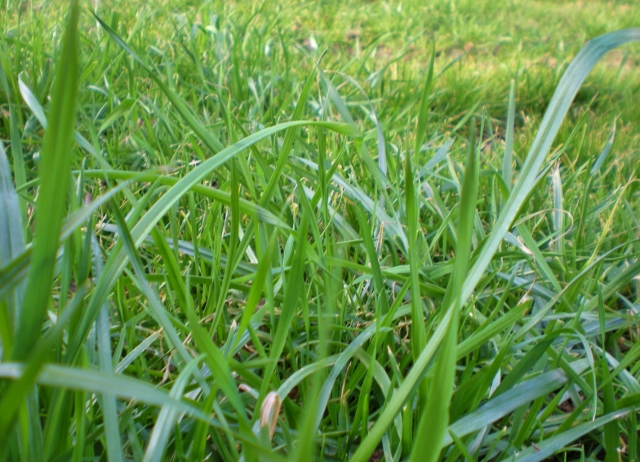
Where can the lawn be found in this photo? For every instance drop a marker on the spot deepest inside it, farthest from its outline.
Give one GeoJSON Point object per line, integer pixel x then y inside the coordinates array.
{"type": "Point", "coordinates": [319, 230]}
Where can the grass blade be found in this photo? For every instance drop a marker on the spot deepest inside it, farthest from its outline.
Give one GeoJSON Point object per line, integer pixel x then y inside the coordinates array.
{"type": "Point", "coordinates": [566, 91]}
{"type": "Point", "coordinates": [11, 239]}
{"type": "Point", "coordinates": [50, 207]}
{"type": "Point", "coordinates": [110, 412]}
{"type": "Point", "coordinates": [418, 330]}
{"type": "Point", "coordinates": [435, 416]}
{"type": "Point", "coordinates": [507, 161]}
{"type": "Point", "coordinates": [160, 434]}
{"type": "Point", "coordinates": [548, 447]}
{"type": "Point", "coordinates": [423, 117]}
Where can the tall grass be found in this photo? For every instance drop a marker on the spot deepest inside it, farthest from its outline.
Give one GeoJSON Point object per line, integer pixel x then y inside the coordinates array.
{"type": "Point", "coordinates": [197, 264]}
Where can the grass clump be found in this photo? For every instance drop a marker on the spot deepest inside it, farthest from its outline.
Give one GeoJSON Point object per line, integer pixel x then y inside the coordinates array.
{"type": "Point", "coordinates": [221, 241]}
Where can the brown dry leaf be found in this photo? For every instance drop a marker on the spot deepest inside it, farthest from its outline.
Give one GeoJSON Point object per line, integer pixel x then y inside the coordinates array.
{"type": "Point", "coordinates": [269, 412]}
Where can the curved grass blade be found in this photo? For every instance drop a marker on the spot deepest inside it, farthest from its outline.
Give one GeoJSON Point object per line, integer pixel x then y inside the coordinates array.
{"type": "Point", "coordinates": [160, 434]}
{"type": "Point", "coordinates": [223, 197]}
{"type": "Point", "coordinates": [511, 400]}
{"type": "Point", "coordinates": [547, 448]}
{"type": "Point", "coordinates": [124, 387]}
{"type": "Point", "coordinates": [118, 258]}
{"type": "Point", "coordinates": [566, 91]}
{"type": "Point", "coordinates": [119, 111]}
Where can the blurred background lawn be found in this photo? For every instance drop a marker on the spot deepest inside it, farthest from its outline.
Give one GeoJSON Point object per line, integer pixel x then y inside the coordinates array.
{"type": "Point", "coordinates": [383, 45]}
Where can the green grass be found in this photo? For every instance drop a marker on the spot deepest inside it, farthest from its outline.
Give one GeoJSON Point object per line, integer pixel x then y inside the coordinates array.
{"type": "Point", "coordinates": [319, 231]}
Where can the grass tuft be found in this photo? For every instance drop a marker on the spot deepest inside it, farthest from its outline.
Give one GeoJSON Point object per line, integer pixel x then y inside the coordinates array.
{"type": "Point", "coordinates": [262, 232]}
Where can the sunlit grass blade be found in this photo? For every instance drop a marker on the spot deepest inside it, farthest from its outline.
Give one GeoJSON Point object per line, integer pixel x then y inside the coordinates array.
{"type": "Point", "coordinates": [507, 160]}
{"type": "Point", "coordinates": [554, 115]}
{"type": "Point", "coordinates": [423, 117]}
{"type": "Point", "coordinates": [558, 209]}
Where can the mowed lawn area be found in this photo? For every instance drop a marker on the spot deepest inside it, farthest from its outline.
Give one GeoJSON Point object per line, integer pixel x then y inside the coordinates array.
{"type": "Point", "coordinates": [355, 230]}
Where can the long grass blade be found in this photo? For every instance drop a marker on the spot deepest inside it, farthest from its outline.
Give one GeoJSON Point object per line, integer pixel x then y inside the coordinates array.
{"type": "Point", "coordinates": [50, 207]}
{"type": "Point", "coordinates": [11, 238]}
{"type": "Point", "coordinates": [566, 91]}
{"type": "Point", "coordinates": [435, 416]}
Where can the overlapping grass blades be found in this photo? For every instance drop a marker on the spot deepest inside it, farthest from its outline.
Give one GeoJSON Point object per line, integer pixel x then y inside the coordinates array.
{"type": "Point", "coordinates": [306, 274]}
{"type": "Point", "coordinates": [558, 107]}
{"type": "Point", "coordinates": [50, 207]}
{"type": "Point", "coordinates": [566, 91]}
{"type": "Point", "coordinates": [26, 344]}
{"type": "Point", "coordinates": [435, 416]}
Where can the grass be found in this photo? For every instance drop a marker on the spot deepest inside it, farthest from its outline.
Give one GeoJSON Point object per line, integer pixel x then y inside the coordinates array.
{"type": "Point", "coordinates": [319, 231]}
